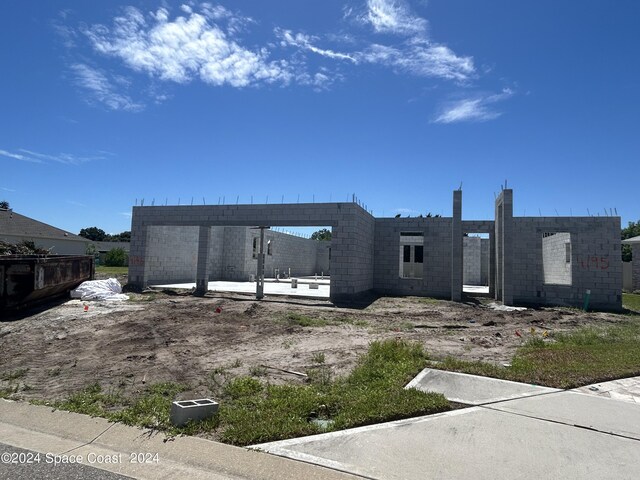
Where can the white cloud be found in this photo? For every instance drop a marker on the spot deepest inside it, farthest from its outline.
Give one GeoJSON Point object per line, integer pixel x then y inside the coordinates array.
{"type": "Point", "coordinates": [187, 47]}
{"type": "Point", "coordinates": [288, 38]}
{"type": "Point", "coordinates": [476, 109]}
{"type": "Point", "coordinates": [18, 156]}
{"type": "Point", "coordinates": [101, 89]}
{"type": "Point", "coordinates": [393, 16]}
{"type": "Point", "coordinates": [421, 58]}
{"type": "Point", "coordinates": [64, 158]}
{"type": "Point", "coordinates": [7, 189]}
{"type": "Point", "coordinates": [126, 214]}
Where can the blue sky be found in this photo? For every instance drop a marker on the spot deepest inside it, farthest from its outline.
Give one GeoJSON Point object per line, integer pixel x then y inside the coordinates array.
{"type": "Point", "coordinates": [398, 102]}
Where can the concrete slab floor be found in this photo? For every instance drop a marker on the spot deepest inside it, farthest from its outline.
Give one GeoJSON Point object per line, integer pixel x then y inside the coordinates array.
{"type": "Point", "coordinates": [472, 389]}
{"type": "Point", "coordinates": [625, 389]}
{"type": "Point", "coordinates": [477, 442]}
{"type": "Point", "coordinates": [270, 288]}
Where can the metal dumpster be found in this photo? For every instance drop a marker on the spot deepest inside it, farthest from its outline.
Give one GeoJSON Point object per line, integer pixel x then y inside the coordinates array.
{"type": "Point", "coordinates": [26, 280]}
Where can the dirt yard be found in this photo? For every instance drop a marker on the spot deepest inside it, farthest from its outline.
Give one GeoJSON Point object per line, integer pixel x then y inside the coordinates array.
{"type": "Point", "coordinates": [159, 337]}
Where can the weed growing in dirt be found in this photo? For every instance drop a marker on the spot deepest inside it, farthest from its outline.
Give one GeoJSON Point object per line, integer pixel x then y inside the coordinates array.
{"type": "Point", "coordinates": [14, 374]}
{"type": "Point", "coordinates": [427, 300]}
{"type": "Point", "coordinates": [304, 320]}
{"type": "Point", "coordinates": [257, 371]}
{"type": "Point", "coordinates": [586, 356]}
{"type": "Point", "coordinates": [7, 392]}
{"type": "Point", "coordinates": [318, 357]}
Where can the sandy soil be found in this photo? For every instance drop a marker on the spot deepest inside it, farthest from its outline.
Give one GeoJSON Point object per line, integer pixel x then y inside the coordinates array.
{"type": "Point", "coordinates": [160, 337]}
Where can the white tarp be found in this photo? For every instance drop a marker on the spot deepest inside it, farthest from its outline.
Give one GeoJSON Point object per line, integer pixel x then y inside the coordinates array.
{"type": "Point", "coordinates": [109, 289]}
{"type": "Point", "coordinates": [505, 308]}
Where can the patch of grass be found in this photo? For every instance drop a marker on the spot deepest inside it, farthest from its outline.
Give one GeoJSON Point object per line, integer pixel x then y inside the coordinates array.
{"type": "Point", "coordinates": [372, 393]}
{"type": "Point", "coordinates": [318, 357]}
{"type": "Point", "coordinates": [304, 320]}
{"type": "Point", "coordinates": [143, 297]}
{"type": "Point", "coordinates": [631, 301]}
{"type": "Point", "coordinates": [7, 392]}
{"type": "Point", "coordinates": [257, 371]}
{"type": "Point", "coordinates": [428, 300]}
{"type": "Point", "coordinates": [14, 374]}
{"type": "Point", "coordinates": [112, 270]}
{"type": "Point", "coordinates": [149, 409]}
{"type": "Point", "coordinates": [586, 356]}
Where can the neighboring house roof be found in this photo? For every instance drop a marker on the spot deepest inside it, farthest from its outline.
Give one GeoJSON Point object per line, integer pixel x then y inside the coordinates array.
{"type": "Point", "coordinates": [14, 224]}
{"type": "Point", "coordinates": [632, 240]}
{"type": "Point", "coordinates": [106, 246]}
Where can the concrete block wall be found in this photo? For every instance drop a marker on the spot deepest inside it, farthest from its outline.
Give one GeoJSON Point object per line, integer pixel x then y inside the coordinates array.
{"type": "Point", "coordinates": [235, 251]}
{"type": "Point", "coordinates": [436, 278]}
{"type": "Point", "coordinates": [323, 257]}
{"type": "Point", "coordinates": [596, 263]}
{"type": "Point", "coordinates": [352, 254]}
{"type": "Point", "coordinates": [484, 261]}
{"type": "Point", "coordinates": [472, 262]}
{"type": "Point", "coordinates": [288, 252]}
{"type": "Point", "coordinates": [555, 268]}
{"type": "Point", "coordinates": [487, 249]}
{"type": "Point", "coordinates": [216, 252]}
{"type": "Point", "coordinates": [351, 246]}
{"type": "Point", "coordinates": [171, 255]}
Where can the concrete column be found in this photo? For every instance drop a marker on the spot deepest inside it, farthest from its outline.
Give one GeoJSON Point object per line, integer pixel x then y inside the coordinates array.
{"type": "Point", "coordinates": [635, 268]}
{"type": "Point", "coordinates": [456, 248]}
{"type": "Point", "coordinates": [137, 254]}
{"type": "Point", "coordinates": [202, 269]}
{"type": "Point", "coordinates": [492, 265]}
{"type": "Point", "coordinates": [260, 273]}
{"type": "Point", "coordinates": [507, 246]}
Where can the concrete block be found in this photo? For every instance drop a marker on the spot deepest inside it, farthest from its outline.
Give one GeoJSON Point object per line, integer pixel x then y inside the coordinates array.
{"type": "Point", "coordinates": [192, 410]}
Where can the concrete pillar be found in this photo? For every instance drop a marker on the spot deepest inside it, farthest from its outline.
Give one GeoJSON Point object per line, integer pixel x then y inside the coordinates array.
{"type": "Point", "coordinates": [635, 268]}
{"type": "Point", "coordinates": [137, 254]}
{"type": "Point", "coordinates": [492, 264]}
{"type": "Point", "coordinates": [456, 248]}
{"type": "Point", "coordinates": [507, 246]}
{"type": "Point", "coordinates": [260, 272]}
{"type": "Point", "coordinates": [202, 268]}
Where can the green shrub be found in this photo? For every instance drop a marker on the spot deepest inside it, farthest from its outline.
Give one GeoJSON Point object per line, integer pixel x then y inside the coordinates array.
{"type": "Point", "coordinates": [116, 257]}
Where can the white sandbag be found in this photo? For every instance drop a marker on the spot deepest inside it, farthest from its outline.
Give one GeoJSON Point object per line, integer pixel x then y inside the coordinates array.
{"type": "Point", "coordinates": [109, 289]}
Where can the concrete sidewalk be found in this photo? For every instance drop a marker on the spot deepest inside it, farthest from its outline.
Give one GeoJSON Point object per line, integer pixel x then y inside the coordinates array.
{"type": "Point", "coordinates": [532, 433]}
{"type": "Point", "coordinates": [39, 429]}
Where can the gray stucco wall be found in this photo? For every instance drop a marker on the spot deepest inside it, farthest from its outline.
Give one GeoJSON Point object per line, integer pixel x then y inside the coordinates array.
{"type": "Point", "coordinates": [556, 270]}
{"type": "Point", "coordinates": [436, 278]}
{"type": "Point", "coordinates": [596, 263]}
